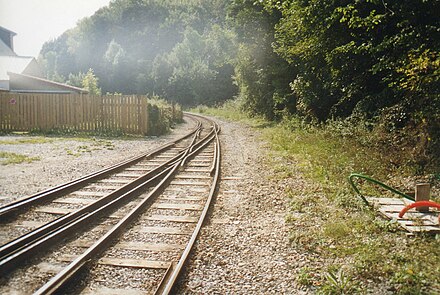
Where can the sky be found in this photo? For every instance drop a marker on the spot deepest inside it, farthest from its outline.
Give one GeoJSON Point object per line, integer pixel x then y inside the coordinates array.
{"type": "Point", "coordinates": [38, 21]}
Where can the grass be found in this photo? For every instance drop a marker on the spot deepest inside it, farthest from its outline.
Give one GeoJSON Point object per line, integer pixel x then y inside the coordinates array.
{"type": "Point", "coordinates": [91, 144]}
{"type": "Point", "coordinates": [334, 223]}
{"type": "Point", "coordinates": [34, 140]}
{"type": "Point", "coordinates": [13, 158]}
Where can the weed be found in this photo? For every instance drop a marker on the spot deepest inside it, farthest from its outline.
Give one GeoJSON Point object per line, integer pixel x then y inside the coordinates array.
{"type": "Point", "coordinates": [338, 283]}
{"type": "Point", "coordinates": [305, 276]}
{"type": "Point", "coordinates": [336, 230]}
{"type": "Point", "coordinates": [13, 158]}
{"type": "Point", "coordinates": [71, 153]}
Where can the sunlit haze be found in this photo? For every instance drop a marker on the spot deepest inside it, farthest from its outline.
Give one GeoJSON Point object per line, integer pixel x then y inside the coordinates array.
{"type": "Point", "coordinates": [37, 21]}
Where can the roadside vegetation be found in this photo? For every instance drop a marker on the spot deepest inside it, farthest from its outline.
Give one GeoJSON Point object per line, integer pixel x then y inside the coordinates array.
{"type": "Point", "coordinates": [366, 60]}
{"type": "Point", "coordinates": [352, 249]}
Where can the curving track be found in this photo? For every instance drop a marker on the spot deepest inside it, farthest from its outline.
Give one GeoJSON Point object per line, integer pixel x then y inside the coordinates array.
{"type": "Point", "coordinates": [128, 228]}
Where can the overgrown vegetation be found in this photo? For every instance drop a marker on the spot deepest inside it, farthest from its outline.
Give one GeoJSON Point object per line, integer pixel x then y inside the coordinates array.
{"type": "Point", "coordinates": [368, 60]}
{"type": "Point", "coordinates": [179, 50]}
{"type": "Point", "coordinates": [357, 250]}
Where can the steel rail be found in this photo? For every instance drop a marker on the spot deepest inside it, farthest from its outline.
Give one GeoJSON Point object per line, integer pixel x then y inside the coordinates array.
{"type": "Point", "coordinates": [72, 269]}
{"type": "Point", "coordinates": [8, 252]}
{"type": "Point", "coordinates": [73, 185]}
{"type": "Point", "coordinates": [25, 252]}
{"type": "Point", "coordinates": [80, 262]}
{"type": "Point", "coordinates": [173, 272]}
{"type": "Point", "coordinates": [12, 246]}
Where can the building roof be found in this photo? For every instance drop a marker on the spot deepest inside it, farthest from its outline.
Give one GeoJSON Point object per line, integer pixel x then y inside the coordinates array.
{"type": "Point", "coordinates": [5, 49]}
{"type": "Point", "coordinates": [9, 31]}
{"type": "Point", "coordinates": [67, 88]}
{"type": "Point", "coordinates": [15, 64]}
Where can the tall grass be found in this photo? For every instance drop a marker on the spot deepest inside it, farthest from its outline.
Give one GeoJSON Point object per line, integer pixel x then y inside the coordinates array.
{"type": "Point", "coordinates": [329, 221]}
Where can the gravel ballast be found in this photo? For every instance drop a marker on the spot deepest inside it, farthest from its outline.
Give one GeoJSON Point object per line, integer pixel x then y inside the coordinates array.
{"type": "Point", "coordinates": [243, 248]}
{"type": "Point", "coordinates": [62, 159]}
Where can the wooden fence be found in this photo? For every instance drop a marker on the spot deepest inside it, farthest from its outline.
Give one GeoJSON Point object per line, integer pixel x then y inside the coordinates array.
{"type": "Point", "coordinates": [73, 112]}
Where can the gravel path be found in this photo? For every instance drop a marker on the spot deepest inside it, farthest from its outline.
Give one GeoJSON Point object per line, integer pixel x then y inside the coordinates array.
{"type": "Point", "coordinates": [243, 248]}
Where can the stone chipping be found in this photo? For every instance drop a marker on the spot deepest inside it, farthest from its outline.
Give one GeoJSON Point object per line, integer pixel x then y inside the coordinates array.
{"type": "Point", "coordinates": [243, 247]}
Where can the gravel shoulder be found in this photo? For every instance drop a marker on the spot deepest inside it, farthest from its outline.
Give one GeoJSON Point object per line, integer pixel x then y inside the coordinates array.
{"type": "Point", "coordinates": [244, 247]}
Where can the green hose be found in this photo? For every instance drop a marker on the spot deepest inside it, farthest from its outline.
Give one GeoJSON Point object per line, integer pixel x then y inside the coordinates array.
{"type": "Point", "coordinates": [353, 175]}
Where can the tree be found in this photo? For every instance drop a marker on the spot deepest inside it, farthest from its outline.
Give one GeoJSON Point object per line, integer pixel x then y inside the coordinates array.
{"type": "Point", "coordinates": [196, 70]}
{"type": "Point", "coordinates": [261, 75]}
{"type": "Point", "coordinates": [90, 82]}
{"type": "Point", "coordinates": [76, 80]}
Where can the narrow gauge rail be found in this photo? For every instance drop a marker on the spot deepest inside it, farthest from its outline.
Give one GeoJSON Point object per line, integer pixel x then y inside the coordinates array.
{"type": "Point", "coordinates": [184, 185]}
{"type": "Point", "coordinates": [31, 218]}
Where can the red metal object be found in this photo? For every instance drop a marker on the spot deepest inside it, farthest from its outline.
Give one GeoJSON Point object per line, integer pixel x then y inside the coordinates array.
{"type": "Point", "coordinates": [420, 204]}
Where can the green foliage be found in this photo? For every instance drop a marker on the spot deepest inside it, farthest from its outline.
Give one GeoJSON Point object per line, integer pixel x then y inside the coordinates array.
{"type": "Point", "coordinates": [364, 58]}
{"type": "Point", "coordinates": [90, 82]}
{"type": "Point", "coordinates": [76, 80]}
{"type": "Point", "coordinates": [338, 283]}
{"type": "Point", "coordinates": [14, 158]}
{"type": "Point", "coordinates": [371, 60]}
{"type": "Point", "coordinates": [305, 276]}
{"type": "Point", "coordinates": [261, 76]}
{"type": "Point", "coordinates": [176, 49]}
{"type": "Point", "coordinates": [196, 70]}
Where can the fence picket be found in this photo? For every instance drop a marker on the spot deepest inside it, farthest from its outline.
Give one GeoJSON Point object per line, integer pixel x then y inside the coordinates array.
{"type": "Point", "coordinates": [25, 112]}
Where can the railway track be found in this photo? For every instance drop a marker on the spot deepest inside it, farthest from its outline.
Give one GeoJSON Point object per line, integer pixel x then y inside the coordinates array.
{"type": "Point", "coordinates": [128, 228]}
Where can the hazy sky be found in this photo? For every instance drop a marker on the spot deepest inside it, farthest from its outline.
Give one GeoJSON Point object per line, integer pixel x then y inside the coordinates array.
{"type": "Point", "coordinates": [37, 21]}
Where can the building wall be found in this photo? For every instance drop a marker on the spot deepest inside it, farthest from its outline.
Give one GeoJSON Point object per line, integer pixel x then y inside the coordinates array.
{"type": "Point", "coordinates": [7, 38]}
{"type": "Point", "coordinates": [33, 69]}
{"type": "Point", "coordinates": [4, 84]}
{"type": "Point", "coordinates": [21, 83]}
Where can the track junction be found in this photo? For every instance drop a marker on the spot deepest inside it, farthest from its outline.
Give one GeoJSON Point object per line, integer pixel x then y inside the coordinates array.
{"type": "Point", "coordinates": [135, 221]}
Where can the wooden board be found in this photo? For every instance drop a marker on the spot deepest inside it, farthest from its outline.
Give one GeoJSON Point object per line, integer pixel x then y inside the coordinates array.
{"type": "Point", "coordinates": [181, 198]}
{"type": "Point", "coordinates": [115, 181]}
{"type": "Point", "coordinates": [135, 263]}
{"type": "Point", "coordinates": [173, 218]}
{"type": "Point", "coordinates": [163, 230]}
{"type": "Point", "coordinates": [189, 183]}
{"type": "Point", "coordinates": [179, 206]}
{"type": "Point", "coordinates": [53, 210]}
{"type": "Point", "coordinates": [111, 291]}
{"type": "Point", "coordinates": [189, 176]}
{"type": "Point", "coordinates": [74, 201]}
{"type": "Point", "coordinates": [92, 194]}
{"type": "Point", "coordinates": [413, 221]}
{"type": "Point", "coordinates": [136, 246]}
